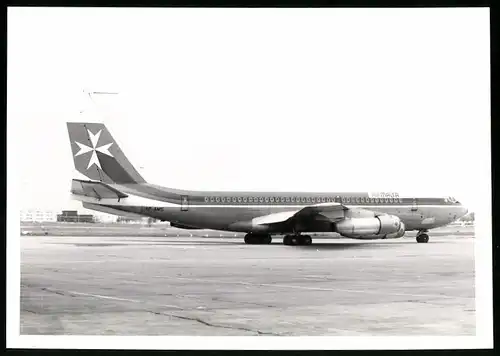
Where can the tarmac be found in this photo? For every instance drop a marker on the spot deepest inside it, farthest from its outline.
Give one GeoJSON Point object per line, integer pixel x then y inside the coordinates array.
{"type": "Point", "coordinates": [216, 286]}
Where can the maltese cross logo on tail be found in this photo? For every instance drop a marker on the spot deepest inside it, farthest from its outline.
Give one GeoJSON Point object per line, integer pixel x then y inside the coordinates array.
{"type": "Point", "coordinates": [94, 140]}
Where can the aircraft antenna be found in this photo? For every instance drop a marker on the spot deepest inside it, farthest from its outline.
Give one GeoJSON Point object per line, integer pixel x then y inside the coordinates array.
{"type": "Point", "coordinates": [91, 93]}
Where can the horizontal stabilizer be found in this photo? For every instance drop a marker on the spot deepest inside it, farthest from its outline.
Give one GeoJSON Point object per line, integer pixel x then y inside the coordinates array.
{"type": "Point", "coordinates": [96, 190]}
{"type": "Point", "coordinates": [108, 210]}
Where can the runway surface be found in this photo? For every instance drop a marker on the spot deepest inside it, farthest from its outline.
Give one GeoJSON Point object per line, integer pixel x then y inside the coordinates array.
{"type": "Point", "coordinates": [215, 286]}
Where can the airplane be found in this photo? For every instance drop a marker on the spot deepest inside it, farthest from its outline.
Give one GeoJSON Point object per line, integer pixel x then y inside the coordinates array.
{"type": "Point", "coordinates": [112, 185]}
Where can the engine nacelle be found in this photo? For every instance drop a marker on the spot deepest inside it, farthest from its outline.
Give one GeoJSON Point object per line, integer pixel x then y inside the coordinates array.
{"type": "Point", "coordinates": [396, 235]}
{"type": "Point", "coordinates": [382, 226]}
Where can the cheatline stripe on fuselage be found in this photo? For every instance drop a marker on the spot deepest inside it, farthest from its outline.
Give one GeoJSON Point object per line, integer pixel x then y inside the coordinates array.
{"type": "Point", "coordinates": [174, 196]}
{"type": "Point", "coordinates": [302, 206]}
{"type": "Point", "coordinates": [139, 201]}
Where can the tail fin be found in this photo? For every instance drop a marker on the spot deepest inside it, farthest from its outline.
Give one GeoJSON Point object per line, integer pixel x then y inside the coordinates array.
{"type": "Point", "coordinates": [97, 155]}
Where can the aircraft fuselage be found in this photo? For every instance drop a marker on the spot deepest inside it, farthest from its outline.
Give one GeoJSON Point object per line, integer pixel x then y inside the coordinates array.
{"type": "Point", "coordinates": [230, 210]}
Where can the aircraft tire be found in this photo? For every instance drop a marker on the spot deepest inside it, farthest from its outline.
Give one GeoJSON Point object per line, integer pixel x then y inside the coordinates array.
{"type": "Point", "coordinates": [306, 240]}
{"type": "Point", "coordinates": [297, 240]}
{"type": "Point", "coordinates": [423, 238]}
{"type": "Point", "coordinates": [250, 239]}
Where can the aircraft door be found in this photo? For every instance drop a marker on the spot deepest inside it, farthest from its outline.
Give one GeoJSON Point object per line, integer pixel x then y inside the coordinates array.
{"type": "Point", "coordinates": [414, 205]}
{"type": "Point", "coordinates": [184, 203]}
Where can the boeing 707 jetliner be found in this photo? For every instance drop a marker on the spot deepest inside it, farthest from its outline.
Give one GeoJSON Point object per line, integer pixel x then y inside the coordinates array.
{"type": "Point", "coordinates": [114, 186]}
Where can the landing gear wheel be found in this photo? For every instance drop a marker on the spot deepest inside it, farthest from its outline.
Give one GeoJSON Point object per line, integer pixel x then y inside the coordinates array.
{"type": "Point", "coordinates": [306, 240]}
{"type": "Point", "coordinates": [297, 240]}
{"type": "Point", "coordinates": [252, 239]}
{"type": "Point", "coordinates": [422, 238]}
{"type": "Point", "coordinates": [249, 239]}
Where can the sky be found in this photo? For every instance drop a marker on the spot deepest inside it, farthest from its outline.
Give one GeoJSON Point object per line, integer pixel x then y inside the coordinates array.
{"type": "Point", "coordinates": [255, 99]}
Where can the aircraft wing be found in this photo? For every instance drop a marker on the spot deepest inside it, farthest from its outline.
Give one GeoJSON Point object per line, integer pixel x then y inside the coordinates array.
{"type": "Point", "coordinates": [323, 211]}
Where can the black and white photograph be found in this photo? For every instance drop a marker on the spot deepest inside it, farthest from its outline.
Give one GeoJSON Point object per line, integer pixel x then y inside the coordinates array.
{"type": "Point", "coordinates": [249, 178]}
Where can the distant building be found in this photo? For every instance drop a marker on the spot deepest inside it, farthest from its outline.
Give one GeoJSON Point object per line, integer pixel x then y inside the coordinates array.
{"type": "Point", "coordinates": [73, 216]}
{"type": "Point", "coordinates": [89, 218]}
{"type": "Point", "coordinates": [38, 215]}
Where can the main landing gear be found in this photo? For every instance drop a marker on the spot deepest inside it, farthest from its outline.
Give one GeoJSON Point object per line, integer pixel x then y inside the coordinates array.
{"type": "Point", "coordinates": [258, 239]}
{"type": "Point", "coordinates": [422, 237]}
{"type": "Point", "coordinates": [293, 240]}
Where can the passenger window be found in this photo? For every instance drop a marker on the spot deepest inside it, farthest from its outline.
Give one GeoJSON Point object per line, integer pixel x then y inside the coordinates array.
{"type": "Point", "coordinates": [250, 199]}
{"type": "Point", "coordinates": [244, 199]}
{"type": "Point", "coordinates": [206, 199]}
{"type": "Point", "coordinates": [267, 199]}
{"type": "Point", "coordinates": [239, 199]}
{"type": "Point", "coordinates": [217, 199]}
{"type": "Point", "coordinates": [234, 199]}
{"type": "Point", "coordinates": [348, 199]}
{"type": "Point", "coordinates": [362, 200]}
{"type": "Point", "coordinates": [212, 199]}
{"type": "Point", "coordinates": [271, 200]}
{"type": "Point", "coordinates": [223, 199]}
{"type": "Point", "coordinates": [288, 199]}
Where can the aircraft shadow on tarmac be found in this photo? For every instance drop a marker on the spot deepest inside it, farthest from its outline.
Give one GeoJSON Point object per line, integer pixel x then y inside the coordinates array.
{"type": "Point", "coordinates": [342, 246]}
{"type": "Point", "coordinates": [314, 246]}
{"type": "Point", "coordinates": [232, 241]}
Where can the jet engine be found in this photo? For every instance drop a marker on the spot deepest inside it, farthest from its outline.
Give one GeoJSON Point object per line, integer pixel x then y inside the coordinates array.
{"type": "Point", "coordinates": [382, 226]}
{"type": "Point", "coordinates": [398, 234]}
